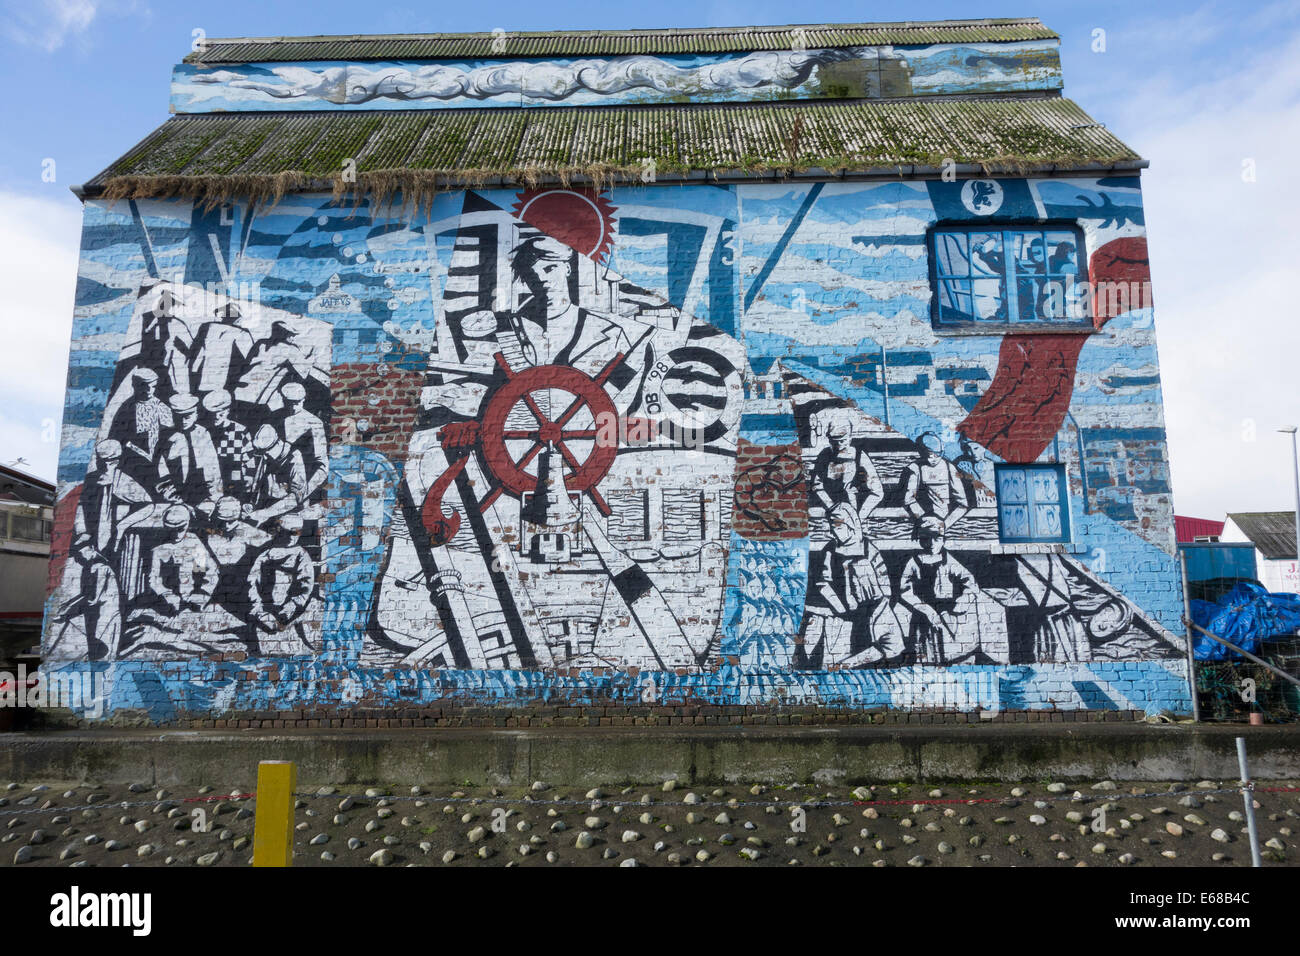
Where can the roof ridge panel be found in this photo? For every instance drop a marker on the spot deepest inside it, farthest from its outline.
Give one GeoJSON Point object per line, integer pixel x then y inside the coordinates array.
{"type": "Point", "coordinates": [653, 31]}
{"type": "Point", "coordinates": [614, 42]}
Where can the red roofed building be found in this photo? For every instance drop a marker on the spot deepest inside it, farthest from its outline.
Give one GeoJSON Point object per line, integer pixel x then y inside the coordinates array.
{"type": "Point", "coordinates": [1188, 530]}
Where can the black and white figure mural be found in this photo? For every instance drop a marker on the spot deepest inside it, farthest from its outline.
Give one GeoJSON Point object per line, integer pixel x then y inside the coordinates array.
{"type": "Point", "coordinates": [906, 565]}
{"type": "Point", "coordinates": [564, 495]}
{"type": "Point", "coordinates": [197, 529]}
{"type": "Point", "coordinates": [651, 443]}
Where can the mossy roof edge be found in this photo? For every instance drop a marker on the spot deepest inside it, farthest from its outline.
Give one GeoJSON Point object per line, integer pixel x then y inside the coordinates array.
{"type": "Point", "coordinates": [195, 155]}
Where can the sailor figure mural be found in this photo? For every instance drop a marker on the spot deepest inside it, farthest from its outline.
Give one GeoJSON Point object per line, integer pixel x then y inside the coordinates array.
{"type": "Point", "coordinates": [528, 521]}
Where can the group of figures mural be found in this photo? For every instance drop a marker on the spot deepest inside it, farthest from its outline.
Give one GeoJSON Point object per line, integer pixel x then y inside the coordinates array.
{"type": "Point", "coordinates": [564, 498]}
{"type": "Point", "coordinates": [196, 529]}
{"type": "Point", "coordinates": [904, 563]}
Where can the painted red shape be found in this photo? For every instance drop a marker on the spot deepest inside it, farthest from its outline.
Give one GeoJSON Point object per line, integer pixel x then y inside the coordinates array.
{"type": "Point", "coordinates": [581, 219]}
{"type": "Point", "coordinates": [459, 435]}
{"type": "Point", "coordinates": [1120, 262]}
{"type": "Point", "coordinates": [1030, 395]}
{"type": "Point", "coordinates": [65, 516]}
{"type": "Point", "coordinates": [442, 528]}
{"type": "Point", "coordinates": [519, 388]}
{"type": "Point", "coordinates": [1027, 401]}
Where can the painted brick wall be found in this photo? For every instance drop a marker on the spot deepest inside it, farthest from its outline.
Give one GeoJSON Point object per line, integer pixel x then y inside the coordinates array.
{"type": "Point", "coordinates": [706, 446]}
{"type": "Point", "coordinates": [770, 501]}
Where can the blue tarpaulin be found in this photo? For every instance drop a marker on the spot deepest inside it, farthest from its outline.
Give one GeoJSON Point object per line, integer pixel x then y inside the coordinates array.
{"type": "Point", "coordinates": [1248, 615]}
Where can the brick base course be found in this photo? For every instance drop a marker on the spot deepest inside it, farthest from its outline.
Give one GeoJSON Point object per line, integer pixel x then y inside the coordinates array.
{"type": "Point", "coordinates": [581, 716]}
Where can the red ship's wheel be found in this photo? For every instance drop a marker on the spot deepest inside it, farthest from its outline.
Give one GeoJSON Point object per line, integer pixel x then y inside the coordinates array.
{"type": "Point", "coordinates": [588, 392]}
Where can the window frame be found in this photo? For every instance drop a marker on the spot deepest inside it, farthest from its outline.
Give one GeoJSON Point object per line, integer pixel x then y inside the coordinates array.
{"type": "Point", "coordinates": [1001, 325]}
{"type": "Point", "coordinates": [1062, 502]}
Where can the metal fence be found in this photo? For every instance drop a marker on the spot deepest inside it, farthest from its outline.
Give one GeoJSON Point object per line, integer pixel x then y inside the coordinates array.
{"type": "Point", "coordinates": [1260, 689]}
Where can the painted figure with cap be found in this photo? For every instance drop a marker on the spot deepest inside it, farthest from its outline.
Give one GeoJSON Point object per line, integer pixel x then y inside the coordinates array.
{"type": "Point", "coordinates": [305, 433]}
{"type": "Point", "coordinates": [107, 497]}
{"type": "Point", "coordinates": [182, 575]}
{"type": "Point", "coordinates": [842, 473]}
{"type": "Point", "coordinates": [233, 543]}
{"type": "Point", "coordinates": [165, 342]}
{"type": "Point", "coordinates": [275, 361]}
{"type": "Point", "coordinates": [280, 483]}
{"type": "Point", "coordinates": [943, 596]}
{"type": "Point", "coordinates": [933, 487]}
{"type": "Point", "coordinates": [847, 583]}
{"type": "Point", "coordinates": [552, 327]}
{"type": "Point", "coordinates": [188, 469]}
{"type": "Point", "coordinates": [233, 444]}
{"type": "Point", "coordinates": [90, 622]}
{"type": "Point", "coordinates": [281, 583]}
{"type": "Point", "coordinates": [220, 351]}
{"type": "Point", "coordinates": [139, 425]}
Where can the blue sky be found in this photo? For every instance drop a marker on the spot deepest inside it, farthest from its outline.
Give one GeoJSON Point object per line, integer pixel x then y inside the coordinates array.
{"type": "Point", "coordinates": [1199, 89]}
{"type": "Point", "coordinates": [96, 71]}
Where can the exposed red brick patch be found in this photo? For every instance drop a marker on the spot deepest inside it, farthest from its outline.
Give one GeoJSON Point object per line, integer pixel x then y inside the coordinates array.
{"type": "Point", "coordinates": [387, 401]}
{"type": "Point", "coordinates": [771, 497]}
{"type": "Point", "coordinates": [65, 514]}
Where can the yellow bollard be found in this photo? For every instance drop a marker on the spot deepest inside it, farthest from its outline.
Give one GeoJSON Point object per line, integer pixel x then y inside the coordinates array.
{"type": "Point", "coordinates": [273, 825]}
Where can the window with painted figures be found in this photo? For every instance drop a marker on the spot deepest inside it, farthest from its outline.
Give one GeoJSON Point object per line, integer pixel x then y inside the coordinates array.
{"type": "Point", "coordinates": [1032, 504]}
{"type": "Point", "coordinates": [985, 274]}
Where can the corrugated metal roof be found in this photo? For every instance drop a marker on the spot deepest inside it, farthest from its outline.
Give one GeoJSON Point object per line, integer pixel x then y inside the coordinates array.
{"type": "Point", "coordinates": [1272, 532]}
{"type": "Point", "coordinates": [18, 485]}
{"type": "Point", "coordinates": [431, 46]}
{"type": "Point", "coordinates": [1187, 530]}
{"type": "Point", "coordinates": [1016, 134]}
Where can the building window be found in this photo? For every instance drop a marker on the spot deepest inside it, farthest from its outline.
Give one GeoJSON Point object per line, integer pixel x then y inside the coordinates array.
{"type": "Point", "coordinates": [25, 526]}
{"type": "Point", "coordinates": [1008, 275]}
{"type": "Point", "coordinates": [1032, 503]}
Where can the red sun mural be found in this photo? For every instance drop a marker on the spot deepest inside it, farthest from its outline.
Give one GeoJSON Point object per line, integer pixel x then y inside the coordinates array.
{"type": "Point", "coordinates": [581, 219]}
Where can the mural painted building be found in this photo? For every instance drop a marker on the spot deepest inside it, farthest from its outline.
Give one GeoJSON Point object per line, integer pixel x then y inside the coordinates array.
{"type": "Point", "coordinates": [767, 366]}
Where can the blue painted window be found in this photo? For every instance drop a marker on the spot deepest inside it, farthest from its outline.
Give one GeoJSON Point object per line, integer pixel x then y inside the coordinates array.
{"type": "Point", "coordinates": [1008, 275]}
{"type": "Point", "coordinates": [1032, 503]}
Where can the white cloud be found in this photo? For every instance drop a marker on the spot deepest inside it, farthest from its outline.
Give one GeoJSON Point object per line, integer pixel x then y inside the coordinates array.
{"type": "Point", "coordinates": [39, 242]}
{"type": "Point", "coordinates": [50, 23]}
{"type": "Point", "coordinates": [1223, 255]}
